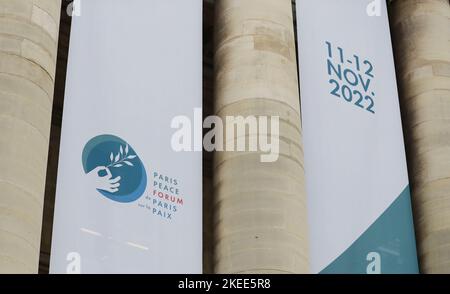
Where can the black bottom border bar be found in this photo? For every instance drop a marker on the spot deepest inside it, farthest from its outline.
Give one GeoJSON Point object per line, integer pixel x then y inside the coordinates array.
{"type": "Point", "coordinates": [214, 283]}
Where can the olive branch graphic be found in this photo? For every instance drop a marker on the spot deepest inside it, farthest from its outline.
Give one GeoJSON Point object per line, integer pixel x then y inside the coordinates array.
{"type": "Point", "coordinates": [121, 158]}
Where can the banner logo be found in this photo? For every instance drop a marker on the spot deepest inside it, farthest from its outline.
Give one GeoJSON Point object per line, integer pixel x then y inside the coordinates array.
{"type": "Point", "coordinates": [114, 169]}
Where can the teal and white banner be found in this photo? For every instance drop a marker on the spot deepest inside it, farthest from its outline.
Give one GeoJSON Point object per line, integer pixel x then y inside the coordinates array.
{"type": "Point", "coordinates": [126, 202]}
{"type": "Point", "coordinates": [356, 175]}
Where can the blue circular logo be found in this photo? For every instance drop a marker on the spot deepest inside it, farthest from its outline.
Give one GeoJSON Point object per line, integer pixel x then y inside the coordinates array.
{"type": "Point", "coordinates": [114, 168]}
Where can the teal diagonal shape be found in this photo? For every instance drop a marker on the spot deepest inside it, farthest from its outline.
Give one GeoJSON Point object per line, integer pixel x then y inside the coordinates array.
{"type": "Point", "coordinates": [388, 246]}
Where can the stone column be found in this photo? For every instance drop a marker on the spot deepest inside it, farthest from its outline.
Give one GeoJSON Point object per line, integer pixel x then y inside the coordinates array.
{"type": "Point", "coordinates": [421, 37]}
{"type": "Point", "coordinates": [28, 47]}
{"type": "Point", "coordinates": [260, 223]}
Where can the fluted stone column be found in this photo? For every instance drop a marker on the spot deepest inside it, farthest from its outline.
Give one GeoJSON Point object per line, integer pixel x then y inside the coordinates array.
{"type": "Point", "coordinates": [28, 46]}
{"type": "Point", "coordinates": [421, 37]}
{"type": "Point", "coordinates": [260, 222]}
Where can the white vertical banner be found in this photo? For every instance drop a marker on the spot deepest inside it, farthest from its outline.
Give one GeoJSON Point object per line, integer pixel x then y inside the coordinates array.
{"type": "Point", "coordinates": [356, 175]}
{"type": "Point", "coordinates": [126, 201]}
